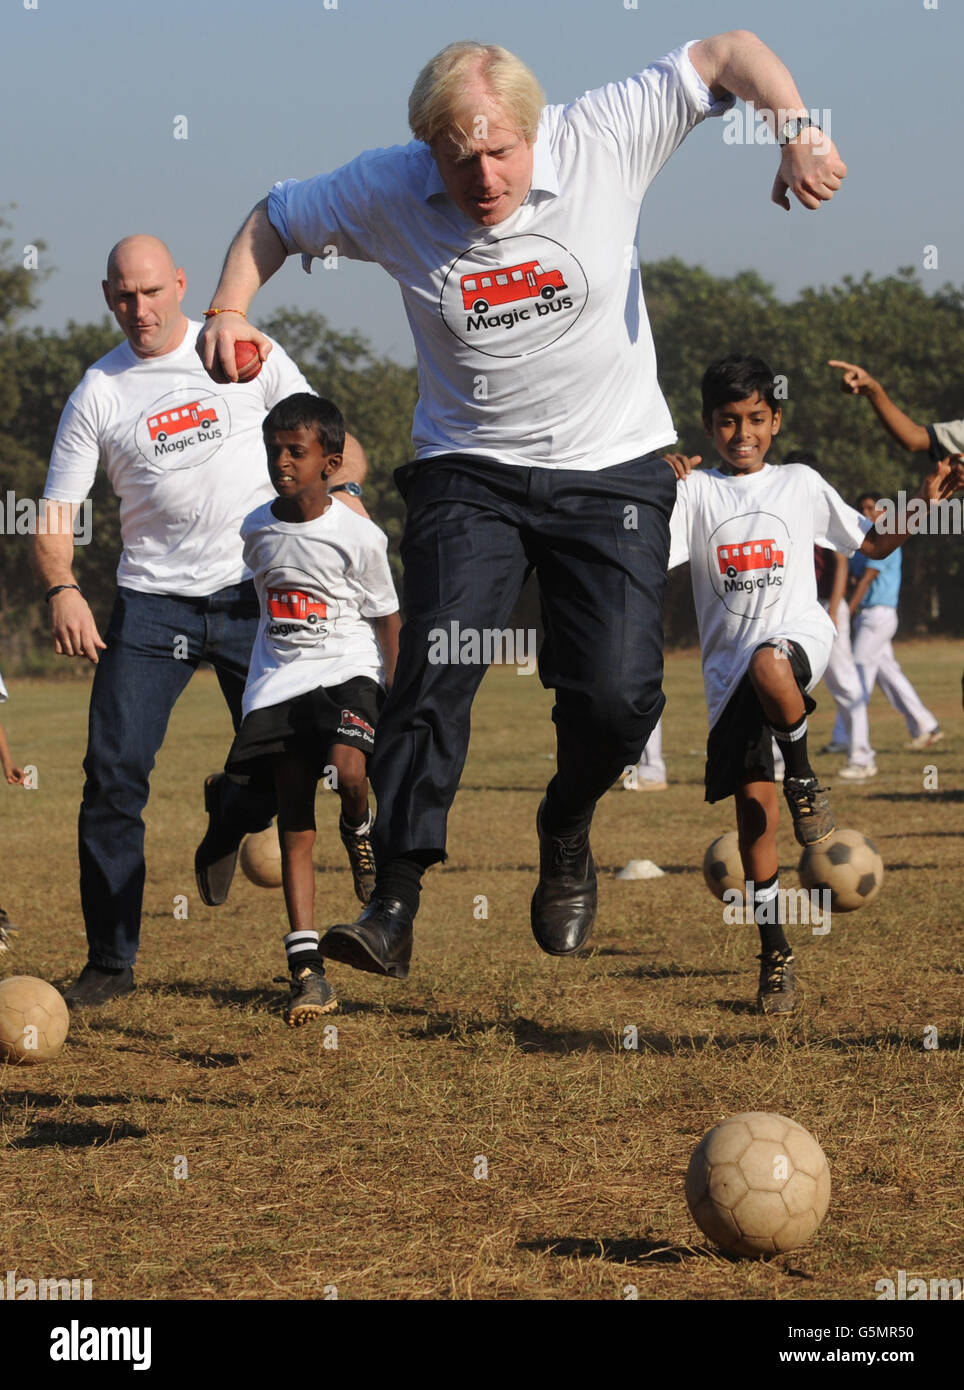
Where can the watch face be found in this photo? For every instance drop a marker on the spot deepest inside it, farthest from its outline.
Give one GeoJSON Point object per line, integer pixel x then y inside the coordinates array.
{"type": "Point", "coordinates": [353, 489]}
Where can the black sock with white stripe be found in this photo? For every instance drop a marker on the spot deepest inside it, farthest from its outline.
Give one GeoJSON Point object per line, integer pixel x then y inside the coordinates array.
{"type": "Point", "coordinates": [767, 914]}
{"type": "Point", "coordinates": [301, 948]}
{"type": "Point", "coordinates": [793, 745]}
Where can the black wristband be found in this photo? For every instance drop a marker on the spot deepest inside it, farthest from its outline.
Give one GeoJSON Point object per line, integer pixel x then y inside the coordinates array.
{"type": "Point", "coordinates": [58, 589]}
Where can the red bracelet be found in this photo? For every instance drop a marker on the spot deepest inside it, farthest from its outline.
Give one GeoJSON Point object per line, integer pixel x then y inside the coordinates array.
{"type": "Point", "coordinates": [210, 313]}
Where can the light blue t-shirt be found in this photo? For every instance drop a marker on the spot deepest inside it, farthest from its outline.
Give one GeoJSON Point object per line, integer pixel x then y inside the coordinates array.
{"type": "Point", "coordinates": [885, 590]}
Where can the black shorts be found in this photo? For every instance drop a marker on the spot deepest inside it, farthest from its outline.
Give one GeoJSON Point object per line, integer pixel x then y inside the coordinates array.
{"type": "Point", "coordinates": [741, 739]}
{"type": "Point", "coordinates": [307, 725]}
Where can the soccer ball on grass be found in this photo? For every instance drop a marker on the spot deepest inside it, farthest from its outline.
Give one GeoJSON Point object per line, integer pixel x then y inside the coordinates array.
{"type": "Point", "coordinates": [34, 1020]}
{"type": "Point", "coordinates": [758, 1184]}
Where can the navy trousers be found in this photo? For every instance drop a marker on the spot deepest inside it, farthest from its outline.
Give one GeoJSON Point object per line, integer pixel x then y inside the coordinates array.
{"type": "Point", "coordinates": [155, 643]}
{"type": "Point", "coordinates": [599, 542]}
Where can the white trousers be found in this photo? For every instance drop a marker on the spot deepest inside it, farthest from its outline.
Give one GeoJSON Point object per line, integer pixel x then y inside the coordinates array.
{"type": "Point", "coordinates": [651, 767]}
{"type": "Point", "coordinates": [877, 664]}
{"type": "Point", "coordinates": [852, 725]}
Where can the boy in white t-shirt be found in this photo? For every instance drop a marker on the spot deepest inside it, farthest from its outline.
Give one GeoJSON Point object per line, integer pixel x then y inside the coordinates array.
{"type": "Point", "coordinates": [326, 647]}
{"type": "Point", "coordinates": [749, 529]}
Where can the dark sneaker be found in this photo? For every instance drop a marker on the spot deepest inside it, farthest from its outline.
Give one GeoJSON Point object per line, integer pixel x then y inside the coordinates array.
{"type": "Point", "coordinates": [564, 904]}
{"type": "Point", "coordinates": [379, 942]}
{"type": "Point", "coordinates": [812, 817]}
{"type": "Point", "coordinates": [311, 995]}
{"type": "Point", "coordinates": [361, 857]}
{"type": "Point", "coordinates": [7, 930]}
{"type": "Point", "coordinates": [775, 994]}
{"type": "Point", "coordinates": [94, 986]}
{"type": "Point", "coordinates": [217, 855]}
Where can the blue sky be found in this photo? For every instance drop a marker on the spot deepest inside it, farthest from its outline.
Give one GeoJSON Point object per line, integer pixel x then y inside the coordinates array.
{"type": "Point", "coordinates": [290, 88]}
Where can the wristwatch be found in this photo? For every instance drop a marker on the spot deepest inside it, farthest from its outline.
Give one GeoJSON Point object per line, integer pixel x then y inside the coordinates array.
{"type": "Point", "coordinates": [793, 127]}
{"type": "Point", "coordinates": [353, 489]}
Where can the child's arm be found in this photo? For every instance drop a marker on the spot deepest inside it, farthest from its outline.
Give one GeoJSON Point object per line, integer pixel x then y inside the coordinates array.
{"type": "Point", "coordinates": [862, 585]}
{"type": "Point", "coordinates": [857, 382]}
{"type": "Point", "coordinates": [386, 633]}
{"type": "Point", "coordinates": [14, 775]}
{"type": "Point", "coordinates": [941, 483]}
{"type": "Point", "coordinates": [840, 573]}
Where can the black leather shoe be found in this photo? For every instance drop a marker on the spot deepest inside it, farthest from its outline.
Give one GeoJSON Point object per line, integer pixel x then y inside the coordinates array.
{"type": "Point", "coordinates": [380, 941]}
{"type": "Point", "coordinates": [95, 986]}
{"type": "Point", "coordinates": [216, 857]}
{"type": "Point", "coordinates": [564, 903]}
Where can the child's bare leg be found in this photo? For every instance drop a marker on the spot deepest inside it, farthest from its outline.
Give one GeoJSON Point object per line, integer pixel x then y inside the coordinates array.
{"type": "Point", "coordinates": [757, 813]}
{"type": "Point", "coordinates": [781, 700]}
{"type": "Point", "coordinates": [295, 786]}
{"type": "Point", "coordinates": [351, 768]}
{"type": "Point", "coordinates": [311, 994]}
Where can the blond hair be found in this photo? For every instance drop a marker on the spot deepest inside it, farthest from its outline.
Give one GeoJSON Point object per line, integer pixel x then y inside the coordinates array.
{"type": "Point", "coordinates": [439, 92]}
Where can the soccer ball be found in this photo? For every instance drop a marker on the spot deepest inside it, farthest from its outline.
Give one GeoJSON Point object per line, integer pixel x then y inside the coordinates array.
{"type": "Point", "coordinates": [33, 1020]}
{"type": "Point", "coordinates": [261, 858]}
{"type": "Point", "coordinates": [722, 868]}
{"type": "Point", "coordinates": [758, 1184]}
{"type": "Point", "coordinates": [848, 865]}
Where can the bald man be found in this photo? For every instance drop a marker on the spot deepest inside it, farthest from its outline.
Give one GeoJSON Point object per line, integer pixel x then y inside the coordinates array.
{"type": "Point", "coordinates": [187, 462]}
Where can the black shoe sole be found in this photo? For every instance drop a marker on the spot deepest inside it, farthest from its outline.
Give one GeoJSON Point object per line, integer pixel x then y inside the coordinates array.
{"type": "Point", "coordinates": [201, 872]}
{"type": "Point", "coordinates": [350, 948]}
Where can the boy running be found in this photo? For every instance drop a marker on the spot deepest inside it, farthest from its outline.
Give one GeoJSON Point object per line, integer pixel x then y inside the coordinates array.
{"type": "Point", "coordinates": [749, 529]}
{"type": "Point", "coordinates": [326, 647]}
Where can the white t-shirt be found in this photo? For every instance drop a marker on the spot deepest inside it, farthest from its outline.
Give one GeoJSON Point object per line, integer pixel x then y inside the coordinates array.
{"type": "Point", "coordinates": [532, 338]}
{"type": "Point", "coordinates": [320, 583]}
{"type": "Point", "coordinates": [3, 691]}
{"type": "Point", "coordinates": [749, 540]}
{"type": "Point", "coordinates": [184, 456]}
{"type": "Point", "coordinates": [946, 437]}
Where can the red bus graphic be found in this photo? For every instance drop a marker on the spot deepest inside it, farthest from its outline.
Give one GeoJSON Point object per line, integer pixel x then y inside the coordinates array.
{"type": "Point", "coordinates": [292, 603]}
{"type": "Point", "coordinates": [355, 721]}
{"type": "Point", "coordinates": [182, 417]}
{"type": "Point", "coordinates": [527, 280]}
{"type": "Point", "coordinates": [749, 555]}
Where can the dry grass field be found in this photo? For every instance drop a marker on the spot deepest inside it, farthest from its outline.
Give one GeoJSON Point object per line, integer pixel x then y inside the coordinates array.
{"type": "Point", "coordinates": [186, 1145]}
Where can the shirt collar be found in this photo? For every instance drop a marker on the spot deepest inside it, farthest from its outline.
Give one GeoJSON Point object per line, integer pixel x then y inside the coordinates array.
{"type": "Point", "coordinates": [544, 176]}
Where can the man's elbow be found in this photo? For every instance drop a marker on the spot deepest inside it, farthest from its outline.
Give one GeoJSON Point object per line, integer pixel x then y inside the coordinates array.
{"type": "Point", "coordinates": [713, 57]}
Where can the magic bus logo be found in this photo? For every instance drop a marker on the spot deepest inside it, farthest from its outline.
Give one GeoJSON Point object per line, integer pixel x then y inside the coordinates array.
{"type": "Point", "coordinates": [513, 296]}
{"type": "Point", "coordinates": [747, 560]}
{"type": "Point", "coordinates": [294, 609]}
{"type": "Point", "coordinates": [182, 430]}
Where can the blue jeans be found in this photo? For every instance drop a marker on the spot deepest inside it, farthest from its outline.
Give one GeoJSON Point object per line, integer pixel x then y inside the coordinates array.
{"type": "Point", "coordinates": [155, 643]}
